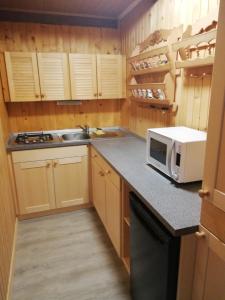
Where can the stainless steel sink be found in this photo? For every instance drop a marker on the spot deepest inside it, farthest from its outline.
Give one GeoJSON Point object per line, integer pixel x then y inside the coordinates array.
{"type": "Point", "coordinates": [78, 136]}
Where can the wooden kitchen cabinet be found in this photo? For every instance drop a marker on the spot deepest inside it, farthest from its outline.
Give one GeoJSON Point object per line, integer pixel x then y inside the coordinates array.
{"type": "Point", "coordinates": [83, 76]}
{"type": "Point", "coordinates": [98, 191]}
{"type": "Point", "coordinates": [209, 277]}
{"type": "Point", "coordinates": [106, 190]}
{"type": "Point", "coordinates": [54, 76]}
{"type": "Point", "coordinates": [213, 180]}
{"type": "Point", "coordinates": [34, 183]}
{"type": "Point", "coordinates": [37, 76]}
{"type": "Point", "coordinates": [113, 213]}
{"type": "Point", "coordinates": [51, 178]}
{"type": "Point", "coordinates": [213, 187]}
{"type": "Point", "coordinates": [109, 76]}
{"type": "Point", "coordinates": [96, 77]}
{"type": "Point", "coordinates": [23, 78]}
{"type": "Point", "coordinates": [71, 181]}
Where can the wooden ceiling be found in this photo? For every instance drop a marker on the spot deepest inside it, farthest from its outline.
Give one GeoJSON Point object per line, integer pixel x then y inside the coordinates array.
{"type": "Point", "coordinates": [99, 8]}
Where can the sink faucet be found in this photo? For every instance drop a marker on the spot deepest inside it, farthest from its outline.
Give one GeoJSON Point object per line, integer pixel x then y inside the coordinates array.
{"type": "Point", "coordinates": [85, 128]}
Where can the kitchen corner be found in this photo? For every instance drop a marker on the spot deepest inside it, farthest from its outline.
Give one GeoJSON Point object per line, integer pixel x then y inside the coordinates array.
{"type": "Point", "coordinates": [177, 206]}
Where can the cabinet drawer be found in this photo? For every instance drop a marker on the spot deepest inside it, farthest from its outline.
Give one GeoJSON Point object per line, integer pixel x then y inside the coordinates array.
{"type": "Point", "coordinates": [50, 153]}
{"type": "Point", "coordinates": [106, 168]}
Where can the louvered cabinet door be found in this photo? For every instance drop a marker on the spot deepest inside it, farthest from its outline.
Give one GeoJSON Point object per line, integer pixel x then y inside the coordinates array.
{"type": "Point", "coordinates": [54, 76]}
{"type": "Point", "coordinates": [23, 79]}
{"type": "Point", "coordinates": [83, 76]}
{"type": "Point", "coordinates": [109, 70]}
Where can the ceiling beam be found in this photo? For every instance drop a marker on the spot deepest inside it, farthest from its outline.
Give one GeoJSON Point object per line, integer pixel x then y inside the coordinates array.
{"type": "Point", "coordinates": [129, 9]}
{"type": "Point", "coordinates": [57, 19]}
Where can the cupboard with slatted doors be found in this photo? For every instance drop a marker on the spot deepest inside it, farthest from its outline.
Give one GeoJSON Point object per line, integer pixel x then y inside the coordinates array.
{"type": "Point", "coordinates": [23, 78]}
{"type": "Point", "coordinates": [37, 76]}
{"type": "Point", "coordinates": [83, 76]}
{"type": "Point", "coordinates": [51, 178]}
{"type": "Point", "coordinates": [110, 76]}
{"type": "Point", "coordinates": [54, 76]}
{"type": "Point", "coordinates": [96, 76]}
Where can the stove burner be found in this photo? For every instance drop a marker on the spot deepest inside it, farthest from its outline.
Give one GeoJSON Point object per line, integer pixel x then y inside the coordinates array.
{"type": "Point", "coordinates": [33, 138]}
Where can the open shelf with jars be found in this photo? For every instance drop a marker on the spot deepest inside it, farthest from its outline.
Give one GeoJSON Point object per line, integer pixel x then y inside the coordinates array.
{"type": "Point", "coordinates": [153, 61]}
{"type": "Point", "coordinates": [152, 94]}
{"type": "Point", "coordinates": [196, 51]}
{"type": "Point", "coordinates": [151, 73]}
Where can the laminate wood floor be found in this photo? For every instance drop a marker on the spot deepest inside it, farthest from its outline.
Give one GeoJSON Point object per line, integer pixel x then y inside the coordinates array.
{"type": "Point", "coordinates": [67, 257]}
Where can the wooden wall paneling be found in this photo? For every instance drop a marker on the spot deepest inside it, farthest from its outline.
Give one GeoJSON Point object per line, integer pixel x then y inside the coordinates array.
{"type": "Point", "coordinates": [49, 115]}
{"type": "Point", "coordinates": [163, 14]}
{"type": "Point", "coordinates": [7, 210]}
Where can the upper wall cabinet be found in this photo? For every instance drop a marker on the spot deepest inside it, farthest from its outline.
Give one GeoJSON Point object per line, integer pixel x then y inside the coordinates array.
{"type": "Point", "coordinates": [83, 76]}
{"type": "Point", "coordinates": [23, 80]}
{"type": "Point", "coordinates": [96, 77]}
{"type": "Point", "coordinates": [57, 76]}
{"type": "Point", "coordinates": [109, 74]}
{"type": "Point", "coordinates": [54, 76]}
{"type": "Point", "coordinates": [35, 77]}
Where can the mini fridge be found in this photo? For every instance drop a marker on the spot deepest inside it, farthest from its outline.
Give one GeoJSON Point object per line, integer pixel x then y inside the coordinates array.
{"type": "Point", "coordinates": [154, 255]}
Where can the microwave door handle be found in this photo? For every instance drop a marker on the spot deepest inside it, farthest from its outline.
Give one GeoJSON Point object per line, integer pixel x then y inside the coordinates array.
{"type": "Point", "coordinates": [170, 160]}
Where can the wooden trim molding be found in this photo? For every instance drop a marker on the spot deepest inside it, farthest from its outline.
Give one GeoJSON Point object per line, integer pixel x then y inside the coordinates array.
{"type": "Point", "coordinates": [12, 265]}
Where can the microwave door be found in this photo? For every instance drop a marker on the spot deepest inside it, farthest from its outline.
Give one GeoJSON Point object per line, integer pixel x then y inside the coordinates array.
{"type": "Point", "coordinates": [159, 152]}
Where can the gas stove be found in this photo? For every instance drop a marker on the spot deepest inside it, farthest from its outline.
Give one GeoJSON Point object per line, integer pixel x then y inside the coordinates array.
{"type": "Point", "coordinates": [34, 138]}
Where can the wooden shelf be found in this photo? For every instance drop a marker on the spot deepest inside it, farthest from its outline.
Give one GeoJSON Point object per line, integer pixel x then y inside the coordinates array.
{"type": "Point", "coordinates": [195, 40]}
{"type": "Point", "coordinates": [126, 261]}
{"type": "Point", "coordinates": [198, 62]}
{"type": "Point", "coordinates": [149, 54]}
{"type": "Point", "coordinates": [147, 86]}
{"type": "Point", "coordinates": [127, 221]}
{"type": "Point", "coordinates": [161, 68]}
{"type": "Point", "coordinates": [154, 102]}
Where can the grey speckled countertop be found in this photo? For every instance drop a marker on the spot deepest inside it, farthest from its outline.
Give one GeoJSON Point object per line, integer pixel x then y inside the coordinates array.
{"type": "Point", "coordinates": [177, 206]}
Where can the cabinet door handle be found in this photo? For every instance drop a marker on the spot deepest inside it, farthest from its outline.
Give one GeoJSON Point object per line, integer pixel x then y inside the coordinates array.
{"type": "Point", "coordinates": [100, 94]}
{"type": "Point", "coordinates": [203, 193]}
{"type": "Point", "coordinates": [95, 94]}
{"type": "Point", "coordinates": [55, 163]}
{"type": "Point", "coordinates": [101, 173]}
{"type": "Point", "coordinates": [42, 95]}
{"type": "Point", "coordinates": [200, 234]}
{"type": "Point", "coordinates": [48, 164]}
{"type": "Point", "coordinates": [37, 96]}
{"type": "Point", "coordinates": [95, 155]}
{"type": "Point", "coordinates": [107, 172]}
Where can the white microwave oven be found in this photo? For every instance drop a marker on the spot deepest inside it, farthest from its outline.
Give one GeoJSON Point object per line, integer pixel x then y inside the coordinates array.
{"type": "Point", "coordinates": [177, 151]}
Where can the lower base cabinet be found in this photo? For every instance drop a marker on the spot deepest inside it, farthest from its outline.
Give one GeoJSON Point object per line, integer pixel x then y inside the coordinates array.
{"type": "Point", "coordinates": [98, 191]}
{"type": "Point", "coordinates": [106, 190]}
{"type": "Point", "coordinates": [51, 178]}
{"type": "Point", "coordinates": [35, 186]}
{"type": "Point", "coordinates": [208, 283]}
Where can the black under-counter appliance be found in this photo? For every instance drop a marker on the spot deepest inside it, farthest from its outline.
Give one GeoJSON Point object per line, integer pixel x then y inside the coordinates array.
{"type": "Point", "coordinates": [154, 255]}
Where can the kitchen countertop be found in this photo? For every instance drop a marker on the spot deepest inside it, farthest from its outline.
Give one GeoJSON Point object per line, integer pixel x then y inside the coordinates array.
{"type": "Point", "coordinates": [177, 206]}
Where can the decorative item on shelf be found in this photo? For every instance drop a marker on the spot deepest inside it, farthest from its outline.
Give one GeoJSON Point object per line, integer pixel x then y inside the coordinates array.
{"type": "Point", "coordinates": [149, 94]}
{"type": "Point", "coordinates": [157, 94]}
